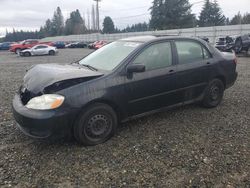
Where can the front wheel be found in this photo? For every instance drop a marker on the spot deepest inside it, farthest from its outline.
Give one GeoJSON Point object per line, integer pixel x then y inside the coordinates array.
{"type": "Point", "coordinates": [213, 94]}
{"type": "Point", "coordinates": [17, 51]}
{"type": "Point", "coordinates": [27, 54]}
{"type": "Point", "coordinates": [96, 125]}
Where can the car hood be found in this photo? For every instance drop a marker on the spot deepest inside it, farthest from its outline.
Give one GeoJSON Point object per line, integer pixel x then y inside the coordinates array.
{"type": "Point", "coordinates": [16, 44]}
{"type": "Point", "coordinates": [41, 76]}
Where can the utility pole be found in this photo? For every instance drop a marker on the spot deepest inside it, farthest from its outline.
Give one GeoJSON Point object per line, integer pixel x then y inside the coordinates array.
{"type": "Point", "coordinates": [97, 15]}
{"type": "Point", "coordinates": [88, 19]}
{"type": "Point", "coordinates": [93, 18]}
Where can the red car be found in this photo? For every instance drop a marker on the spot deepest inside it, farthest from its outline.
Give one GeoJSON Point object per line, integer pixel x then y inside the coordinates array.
{"type": "Point", "coordinates": [26, 44]}
{"type": "Point", "coordinates": [100, 44]}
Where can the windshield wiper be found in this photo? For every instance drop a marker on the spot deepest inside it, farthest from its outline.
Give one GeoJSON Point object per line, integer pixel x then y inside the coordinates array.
{"type": "Point", "coordinates": [89, 67]}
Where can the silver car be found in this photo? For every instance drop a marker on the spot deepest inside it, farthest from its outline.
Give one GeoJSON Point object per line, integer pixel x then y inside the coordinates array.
{"type": "Point", "coordinates": [40, 49]}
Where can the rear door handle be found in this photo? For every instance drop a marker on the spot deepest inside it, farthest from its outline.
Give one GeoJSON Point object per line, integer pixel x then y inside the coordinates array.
{"type": "Point", "coordinates": [208, 63]}
{"type": "Point", "coordinates": [171, 71]}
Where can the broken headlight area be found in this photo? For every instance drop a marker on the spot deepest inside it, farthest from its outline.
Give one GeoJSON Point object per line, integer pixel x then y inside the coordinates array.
{"type": "Point", "coordinates": [26, 95]}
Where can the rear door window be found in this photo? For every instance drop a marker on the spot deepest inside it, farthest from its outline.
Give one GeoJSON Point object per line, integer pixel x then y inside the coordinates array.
{"type": "Point", "coordinates": [189, 52]}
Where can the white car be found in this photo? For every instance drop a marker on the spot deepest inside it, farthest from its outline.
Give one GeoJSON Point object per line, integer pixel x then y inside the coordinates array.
{"type": "Point", "coordinates": [40, 49]}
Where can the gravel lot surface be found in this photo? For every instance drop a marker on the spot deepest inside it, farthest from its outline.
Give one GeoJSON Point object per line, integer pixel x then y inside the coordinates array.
{"type": "Point", "coordinates": [187, 146]}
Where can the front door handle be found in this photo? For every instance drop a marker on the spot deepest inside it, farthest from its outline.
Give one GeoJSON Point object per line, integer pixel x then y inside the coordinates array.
{"type": "Point", "coordinates": [208, 63]}
{"type": "Point", "coordinates": [171, 71]}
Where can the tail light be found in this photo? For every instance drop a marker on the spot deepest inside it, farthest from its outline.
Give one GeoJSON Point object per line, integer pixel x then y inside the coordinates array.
{"type": "Point", "coordinates": [235, 57]}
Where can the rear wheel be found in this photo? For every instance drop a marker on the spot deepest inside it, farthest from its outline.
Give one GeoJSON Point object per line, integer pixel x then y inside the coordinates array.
{"type": "Point", "coordinates": [96, 125]}
{"type": "Point", "coordinates": [213, 94]}
{"type": "Point", "coordinates": [51, 52]}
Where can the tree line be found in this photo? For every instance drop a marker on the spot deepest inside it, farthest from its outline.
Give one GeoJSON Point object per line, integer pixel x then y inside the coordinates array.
{"type": "Point", "coordinates": [174, 14]}
{"type": "Point", "coordinates": [165, 14]}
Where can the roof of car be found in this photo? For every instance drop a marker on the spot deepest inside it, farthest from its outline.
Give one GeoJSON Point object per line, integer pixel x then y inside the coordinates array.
{"type": "Point", "coordinates": [149, 38]}
{"type": "Point", "coordinates": [140, 38]}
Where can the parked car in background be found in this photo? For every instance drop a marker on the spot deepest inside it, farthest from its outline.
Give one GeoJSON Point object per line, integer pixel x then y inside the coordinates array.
{"type": "Point", "coordinates": [242, 43]}
{"type": "Point", "coordinates": [40, 49]}
{"type": "Point", "coordinates": [126, 79]}
{"type": "Point", "coordinates": [236, 43]}
{"type": "Point", "coordinates": [5, 45]}
{"type": "Point", "coordinates": [225, 44]}
{"type": "Point", "coordinates": [91, 45]}
{"type": "Point", "coordinates": [17, 47]}
{"type": "Point", "coordinates": [59, 44]}
{"type": "Point", "coordinates": [100, 44]}
{"type": "Point", "coordinates": [77, 45]}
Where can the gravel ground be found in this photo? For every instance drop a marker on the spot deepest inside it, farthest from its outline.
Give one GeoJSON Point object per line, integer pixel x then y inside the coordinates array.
{"type": "Point", "coordinates": [185, 147]}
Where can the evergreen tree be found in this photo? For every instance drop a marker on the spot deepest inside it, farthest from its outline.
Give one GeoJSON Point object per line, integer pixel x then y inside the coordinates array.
{"type": "Point", "coordinates": [237, 19]}
{"type": "Point", "coordinates": [246, 18]}
{"type": "Point", "coordinates": [108, 25]}
{"type": "Point", "coordinates": [47, 29]}
{"type": "Point", "coordinates": [227, 22]}
{"type": "Point", "coordinates": [211, 15]}
{"type": "Point", "coordinates": [75, 24]}
{"type": "Point", "coordinates": [170, 14]}
{"type": "Point", "coordinates": [57, 23]}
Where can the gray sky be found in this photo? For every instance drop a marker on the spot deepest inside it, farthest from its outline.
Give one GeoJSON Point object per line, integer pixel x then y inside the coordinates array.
{"type": "Point", "coordinates": [31, 14]}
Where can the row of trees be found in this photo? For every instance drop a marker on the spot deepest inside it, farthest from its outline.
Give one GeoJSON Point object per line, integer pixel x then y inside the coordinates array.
{"type": "Point", "coordinates": [165, 14]}
{"type": "Point", "coordinates": [21, 35]}
{"type": "Point", "coordinates": [109, 27]}
{"type": "Point", "coordinates": [240, 19]}
{"type": "Point", "coordinates": [172, 14]}
{"type": "Point", "coordinates": [56, 26]}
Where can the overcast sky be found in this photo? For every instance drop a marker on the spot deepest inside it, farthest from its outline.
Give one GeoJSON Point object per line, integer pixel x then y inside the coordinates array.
{"type": "Point", "coordinates": [31, 14]}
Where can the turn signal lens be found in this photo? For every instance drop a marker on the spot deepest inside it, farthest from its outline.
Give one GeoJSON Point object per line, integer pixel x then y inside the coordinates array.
{"type": "Point", "coordinates": [56, 103]}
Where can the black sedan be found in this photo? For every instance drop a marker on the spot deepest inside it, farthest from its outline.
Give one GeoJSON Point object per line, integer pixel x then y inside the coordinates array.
{"type": "Point", "coordinates": [126, 79]}
{"type": "Point", "coordinates": [77, 45]}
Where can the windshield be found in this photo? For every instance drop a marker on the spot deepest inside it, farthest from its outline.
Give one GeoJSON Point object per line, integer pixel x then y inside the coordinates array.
{"type": "Point", "coordinates": [110, 56]}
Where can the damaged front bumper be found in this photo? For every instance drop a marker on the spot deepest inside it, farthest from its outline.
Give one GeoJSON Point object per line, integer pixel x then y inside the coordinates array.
{"type": "Point", "coordinates": [43, 123]}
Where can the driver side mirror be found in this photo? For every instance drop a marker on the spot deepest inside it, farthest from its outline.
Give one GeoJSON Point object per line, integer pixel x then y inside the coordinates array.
{"type": "Point", "coordinates": [136, 68]}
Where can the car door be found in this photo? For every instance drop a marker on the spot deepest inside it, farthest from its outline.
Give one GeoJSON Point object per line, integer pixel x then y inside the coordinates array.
{"type": "Point", "coordinates": [193, 69]}
{"type": "Point", "coordinates": [155, 88]}
{"type": "Point", "coordinates": [44, 50]}
{"type": "Point", "coordinates": [39, 50]}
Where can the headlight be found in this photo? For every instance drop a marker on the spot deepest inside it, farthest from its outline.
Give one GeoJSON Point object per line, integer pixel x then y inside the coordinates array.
{"type": "Point", "coordinates": [45, 102]}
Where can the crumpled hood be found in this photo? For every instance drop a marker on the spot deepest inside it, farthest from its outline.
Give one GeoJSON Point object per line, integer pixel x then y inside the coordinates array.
{"type": "Point", "coordinates": [44, 75]}
{"type": "Point", "coordinates": [26, 50]}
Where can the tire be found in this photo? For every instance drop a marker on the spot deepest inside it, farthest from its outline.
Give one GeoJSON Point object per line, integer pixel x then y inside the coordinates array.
{"type": "Point", "coordinates": [51, 52]}
{"type": "Point", "coordinates": [27, 54]}
{"type": "Point", "coordinates": [17, 51]}
{"type": "Point", "coordinates": [213, 94]}
{"type": "Point", "coordinates": [96, 125]}
{"type": "Point", "coordinates": [238, 46]}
